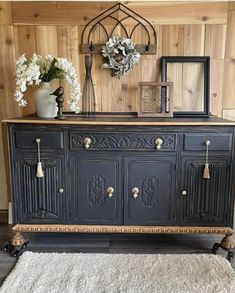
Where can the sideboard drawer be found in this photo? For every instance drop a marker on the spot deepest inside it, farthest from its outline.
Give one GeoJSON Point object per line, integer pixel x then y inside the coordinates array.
{"type": "Point", "coordinates": [122, 141]}
{"type": "Point", "coordinates": [218, 141]}
{"type": "Point", "coordinates": [49, 139]}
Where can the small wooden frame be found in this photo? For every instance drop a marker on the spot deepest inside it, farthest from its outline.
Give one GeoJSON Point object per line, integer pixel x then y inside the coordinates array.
{"type": "Point", "coordinates": [155, 99]}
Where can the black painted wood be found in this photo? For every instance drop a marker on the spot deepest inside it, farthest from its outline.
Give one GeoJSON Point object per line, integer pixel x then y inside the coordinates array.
{"type": "Point", "coordinates": [155, 179]}
{"type": "Point", "coordinates": [92, 175]}
{"type": "Point", "coordinates": [49, 139]}
{"type": "Point", "coordinates": [218, 141]}
{"type": "Point", "coordinates": [122, 141]}
{"type": "Point", "coordinates": [206, 201]}
{"type": "Point", "coordinates": [38, 200]}
{"type": "Point", "coordinates": [113, 150]}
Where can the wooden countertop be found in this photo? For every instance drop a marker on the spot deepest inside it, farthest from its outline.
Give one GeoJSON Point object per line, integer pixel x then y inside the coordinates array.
{"type": "Point", "coordinates": [129, 121]}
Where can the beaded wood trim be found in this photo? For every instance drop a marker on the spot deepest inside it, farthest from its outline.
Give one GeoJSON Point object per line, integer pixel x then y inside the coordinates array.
{"type": "Point", "coordinates": [121, 229]}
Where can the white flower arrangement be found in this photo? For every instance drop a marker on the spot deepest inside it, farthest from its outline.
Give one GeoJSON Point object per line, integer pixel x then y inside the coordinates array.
{"type": "Point", "coordinates": [37, 70]}
{"type": "Point", "coordinates": [120, 55]}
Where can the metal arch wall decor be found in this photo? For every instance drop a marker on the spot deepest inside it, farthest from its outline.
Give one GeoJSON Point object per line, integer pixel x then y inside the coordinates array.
{"type": "Point", "coordinates": [87, 45]}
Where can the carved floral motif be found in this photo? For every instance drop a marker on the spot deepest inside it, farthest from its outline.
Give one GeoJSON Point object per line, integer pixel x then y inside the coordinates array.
{"type": "Point", "coordinates": [45, 163]}
{"type": "Point", "coordinates": [123, 141]}
{"type": "Point", "coordinates": [42, 214]}
{"type": "Point", "coordinates": [149, 196]}
{"type": "Point", "coordinates": [96, 187]}
{"type": "Point", "coordinates": [212, 165]}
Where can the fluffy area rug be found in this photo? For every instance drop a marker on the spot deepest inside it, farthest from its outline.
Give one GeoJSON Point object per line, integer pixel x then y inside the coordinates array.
{"type": "Point", "coordinates": [120, 273]}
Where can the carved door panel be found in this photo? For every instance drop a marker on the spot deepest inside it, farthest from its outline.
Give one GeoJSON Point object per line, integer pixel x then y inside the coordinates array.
{"type": "Point", "coordinates": [96, 194]}
{"type": "Point", "coordinates": [39, 199]}
{"type": "Point", "coordinates": [204, 202]}
{"type": "Point", "coordinates": [149, 190]}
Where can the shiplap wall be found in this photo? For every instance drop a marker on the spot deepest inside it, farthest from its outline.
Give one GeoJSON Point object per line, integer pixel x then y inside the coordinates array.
{"type": "Point", "coordinates": [55, 28]}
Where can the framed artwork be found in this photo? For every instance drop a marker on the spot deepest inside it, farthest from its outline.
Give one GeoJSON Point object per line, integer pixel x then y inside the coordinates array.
{"type": "Point", "coordinates": [155, 99]}
{"type": "Point", "coordinates": [191, 78]}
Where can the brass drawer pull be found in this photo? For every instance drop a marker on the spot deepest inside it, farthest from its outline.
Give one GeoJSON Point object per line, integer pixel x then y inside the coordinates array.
{"type": "Point", "coordinates": [135, 192]}
{"type": "Point", "coordinates": [110, 191]}
{"type": "Point", "coordinates": [87, 142]}
{"type": "Point", "coordinates": [158, 143]}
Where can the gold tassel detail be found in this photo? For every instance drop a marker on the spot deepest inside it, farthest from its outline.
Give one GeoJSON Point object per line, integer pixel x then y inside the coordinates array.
{"type": "Point", "coordinates": [206, 172]}
{"type": "Point", "coordinates": [39, 170]}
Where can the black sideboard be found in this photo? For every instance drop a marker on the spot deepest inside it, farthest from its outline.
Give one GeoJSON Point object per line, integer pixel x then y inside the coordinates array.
{"type": "Point", "coordinates": [122, 176]}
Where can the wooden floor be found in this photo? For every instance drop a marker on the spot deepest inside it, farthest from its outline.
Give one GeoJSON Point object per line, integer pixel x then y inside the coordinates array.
{"type": "Point", "coordinates": [108, 244]}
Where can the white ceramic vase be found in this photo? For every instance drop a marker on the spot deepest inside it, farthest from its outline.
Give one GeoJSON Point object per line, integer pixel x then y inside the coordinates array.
{"type": "Point", "coordinates": [44, 102]}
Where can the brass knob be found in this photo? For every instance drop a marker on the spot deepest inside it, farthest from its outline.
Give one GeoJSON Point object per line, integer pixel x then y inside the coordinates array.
{"type": "Point", "coordinates": [135, 192]}
{"type": "Point", "coordinates": [207, 142]}
{"type": "Point", "coordinates": [110, 191]}
{"type": "Point", "coordinates": [87, 142]}
{"type": "Point", "coordinates": [61, 190]}
{"type": "Point", "coordinates": [158, 143]}
{"type": "Point", "coordinates": [184, 192]}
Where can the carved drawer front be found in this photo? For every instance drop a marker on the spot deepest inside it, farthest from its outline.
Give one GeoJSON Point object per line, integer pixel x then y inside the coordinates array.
{"type": "Point", "coordinates": [197, 141]}
{"type": "Point", "coordinates": [48, 139]}
{"type": "Point", "coordinates": [123, 141]}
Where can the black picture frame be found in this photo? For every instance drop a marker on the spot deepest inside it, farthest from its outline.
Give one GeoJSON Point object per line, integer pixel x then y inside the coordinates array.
{"type": "Point", "coordinates": [205, 60]}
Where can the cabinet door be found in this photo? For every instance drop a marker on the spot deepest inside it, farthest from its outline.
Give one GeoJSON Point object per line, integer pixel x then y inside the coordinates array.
{"type": "Point", "coordinates": [38, 199]}
{"type": "Point", "coordinates": [149, 190]}
{"type": "Point", "coordinates": [204, 202]}
{"type": "Point", "coordinates": [96, 194]}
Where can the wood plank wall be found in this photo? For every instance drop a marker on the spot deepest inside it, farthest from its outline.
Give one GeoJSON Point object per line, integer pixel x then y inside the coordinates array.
{"type": "Point", "coordinates": [55, 28]}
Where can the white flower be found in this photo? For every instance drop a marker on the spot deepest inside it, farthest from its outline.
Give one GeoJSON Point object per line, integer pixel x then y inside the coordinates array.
{"type": "Point", "coordinates": [49, 58]}
{"type": "Point", "coordinates": [22, 103]}
{"type": "Point", "coordinates": [23, 87]}
{"type": "Point", "coordinates": [21, 60]}
{"type": "Point", "coordinates": [36, 70]}
{"type": "Point", "coordinates": [18, 95]}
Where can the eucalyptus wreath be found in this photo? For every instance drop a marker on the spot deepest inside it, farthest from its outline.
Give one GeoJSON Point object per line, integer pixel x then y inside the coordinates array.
{"type": "Point", "coordinates": [120, 55]}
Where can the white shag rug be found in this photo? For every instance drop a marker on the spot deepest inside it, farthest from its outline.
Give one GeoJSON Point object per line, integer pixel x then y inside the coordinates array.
{"type": "Point", "coordinates": [120, 273]}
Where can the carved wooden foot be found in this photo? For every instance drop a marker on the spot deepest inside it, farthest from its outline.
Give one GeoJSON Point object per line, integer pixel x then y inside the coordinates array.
{"type": "Point", "coordinates": [17, 245]}
{"type": "Point", "coordinates": [17, 239]}
{"type": "Point", "coordinates": [228, 242]}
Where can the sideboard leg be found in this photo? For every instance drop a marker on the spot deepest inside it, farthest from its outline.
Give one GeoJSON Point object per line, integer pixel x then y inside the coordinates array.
{"type": "Point", "coordinates": [228, 244]}
{"type": "Point", "coordinates": [17, 245]}
{"type": "Point", "coordinates": [17, 239]}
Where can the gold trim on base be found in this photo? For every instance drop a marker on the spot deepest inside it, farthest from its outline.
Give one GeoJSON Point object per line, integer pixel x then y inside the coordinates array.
{"type": "Point", "coordinates": [120, 229]}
